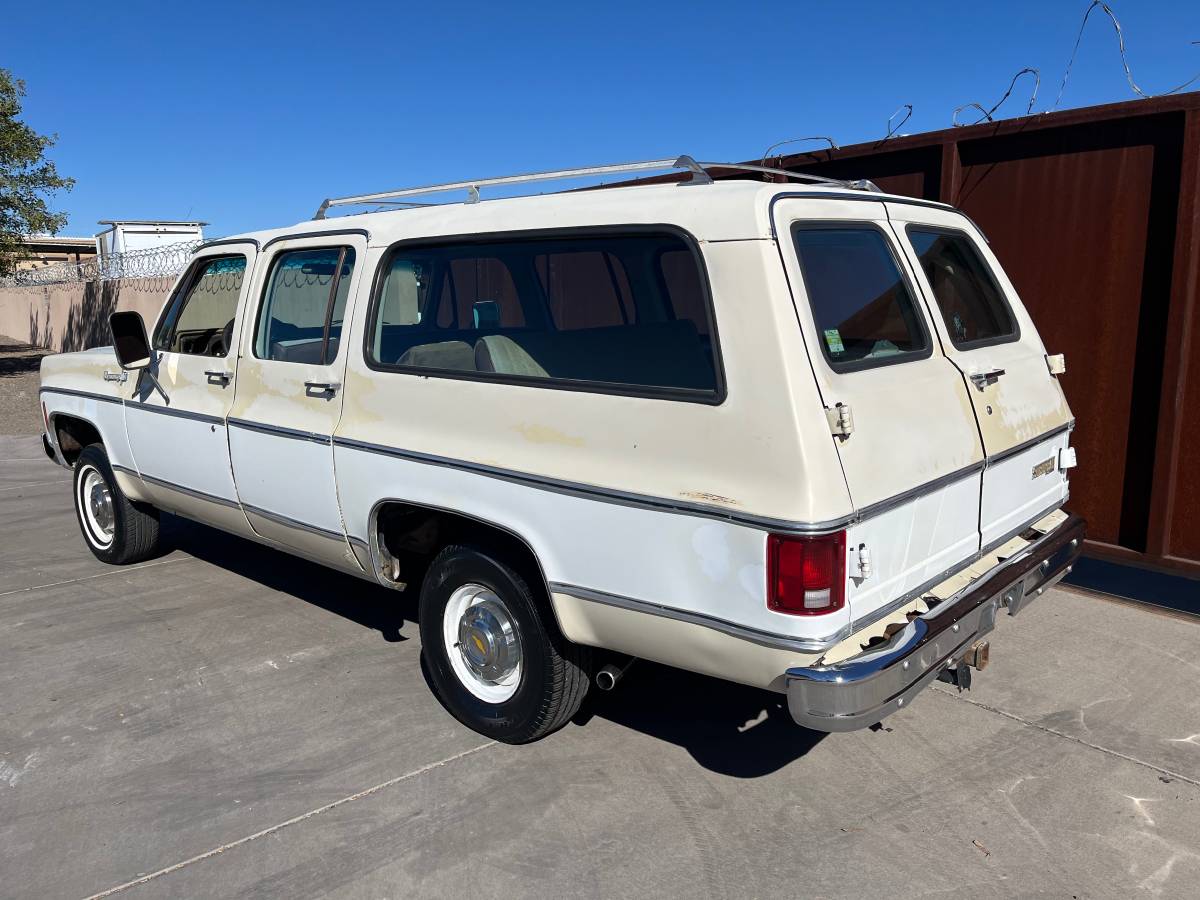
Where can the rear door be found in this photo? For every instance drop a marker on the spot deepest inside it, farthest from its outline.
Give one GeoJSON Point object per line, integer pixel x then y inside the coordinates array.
{"type": "Point", "coordinates": [913, 459]}
{"type": "Point", "coordinates": [289, 396]}
{"type": "Point", "coordinates": [985, 330]}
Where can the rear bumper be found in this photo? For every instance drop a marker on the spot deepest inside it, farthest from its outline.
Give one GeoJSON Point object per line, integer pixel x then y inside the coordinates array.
{"type": "Point", "coordinates": [863, 690]}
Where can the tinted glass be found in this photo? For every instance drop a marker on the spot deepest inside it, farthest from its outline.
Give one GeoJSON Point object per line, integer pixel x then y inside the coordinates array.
{"type": "Point", "coordinates": [306, 288]}
{"type": "Point", "coordinates": [864, 309]}
{"type": "Point", "coordinates": [199, 320]}
{"type": "Point", "coordinates": [599, 309]}
{"type": "Point", "coordinates": [972, 306]}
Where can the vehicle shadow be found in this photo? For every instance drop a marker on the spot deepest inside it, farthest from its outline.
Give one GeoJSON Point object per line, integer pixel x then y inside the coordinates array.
{"type": "Point", "coordinates": [362, 602]}
{"type": "Point", "coordinates": [727, 728]}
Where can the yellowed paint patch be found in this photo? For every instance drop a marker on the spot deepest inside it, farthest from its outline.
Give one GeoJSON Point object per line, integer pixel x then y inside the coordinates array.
{"type": "Point", "coordinates": [544, 434]}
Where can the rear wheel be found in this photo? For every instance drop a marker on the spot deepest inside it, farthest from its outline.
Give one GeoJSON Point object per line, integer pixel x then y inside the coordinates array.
{"type": "Point", "coordinates": [493, 651]}
{"type": "Point", "coordinates": [116, 529]}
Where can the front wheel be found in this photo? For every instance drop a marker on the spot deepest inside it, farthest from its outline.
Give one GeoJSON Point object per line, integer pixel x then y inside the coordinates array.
{"type": "Point", "coordinates": [116, 530]}
{"type": "Point", "coordinates": [493, 651]}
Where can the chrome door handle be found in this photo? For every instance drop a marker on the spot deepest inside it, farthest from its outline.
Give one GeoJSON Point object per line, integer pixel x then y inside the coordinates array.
{"type": "Point", "coordinates": [322, 388]}
{"type": "Point", "coordinates": [983, 379]}
{"type": "Point", "coordinates": [218, 377]}
{"type": "Point", "coordinates": [121, 376]}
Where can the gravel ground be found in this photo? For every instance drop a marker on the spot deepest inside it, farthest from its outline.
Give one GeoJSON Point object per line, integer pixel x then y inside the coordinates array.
{"type": "Point", "coordinates": [19, 413]}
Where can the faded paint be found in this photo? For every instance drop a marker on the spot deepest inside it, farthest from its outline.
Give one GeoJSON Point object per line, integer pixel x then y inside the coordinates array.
{"type": "Point", "coordinates": [544, 434]}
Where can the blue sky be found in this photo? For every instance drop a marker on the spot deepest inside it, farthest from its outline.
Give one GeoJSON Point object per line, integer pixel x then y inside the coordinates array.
{"type": "Point", "coordinates": [246, 115]}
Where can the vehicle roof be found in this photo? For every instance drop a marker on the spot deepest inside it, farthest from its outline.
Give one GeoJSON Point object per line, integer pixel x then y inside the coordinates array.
{"type": "Point", "coordinates": [722, 211]}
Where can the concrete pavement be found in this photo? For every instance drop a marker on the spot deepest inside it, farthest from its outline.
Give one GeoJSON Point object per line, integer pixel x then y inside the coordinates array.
{"type": "Point", "coordinates": [228, 720]}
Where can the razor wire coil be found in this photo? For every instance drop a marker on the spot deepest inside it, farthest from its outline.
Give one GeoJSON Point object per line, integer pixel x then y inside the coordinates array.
{"type": "Point", "coordinates": [154, 262]}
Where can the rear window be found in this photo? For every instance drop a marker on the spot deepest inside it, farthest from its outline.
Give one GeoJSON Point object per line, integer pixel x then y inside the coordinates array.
{"type": "Point", "coordinates": [971, 302]}
{"type": "Point", "coordinates": [865, 311]}
{"type": "Point", "coordinates": [619, 312]}
{"type": "Point", "coordinates": [300, 319]}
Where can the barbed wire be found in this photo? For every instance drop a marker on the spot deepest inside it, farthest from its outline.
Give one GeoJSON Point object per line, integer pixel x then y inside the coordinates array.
{"type": "Point", "coordinates": [154, 262]}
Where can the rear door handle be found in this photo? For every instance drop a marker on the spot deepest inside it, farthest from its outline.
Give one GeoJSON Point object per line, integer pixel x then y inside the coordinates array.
{"type": "Point", "coordinates": [216, 376]}
{"type": "Point", "coordinates": [321, 388]}
{"type": "Point", "coordinates": [983, 379]}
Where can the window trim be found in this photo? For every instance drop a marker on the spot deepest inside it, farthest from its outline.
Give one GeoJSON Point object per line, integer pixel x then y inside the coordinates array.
{"type": "Point", "coordinates": [184, 285]}
{"type": "Point", "coordinates": [329, 303]}
{"type": "Point", "coordinates": [714, 397]}
{"type": "Point", "coordinates": [1011, 337]}
{"type": "Point", "coordinates": [846, 367]}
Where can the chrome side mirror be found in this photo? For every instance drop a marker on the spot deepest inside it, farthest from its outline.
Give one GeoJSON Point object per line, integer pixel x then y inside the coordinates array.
{"type": "Point", "coordinates": [130, 342]}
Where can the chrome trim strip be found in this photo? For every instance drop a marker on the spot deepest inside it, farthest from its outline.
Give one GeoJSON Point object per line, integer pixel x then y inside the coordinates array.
{"type": "Point", "coordinates": [177, 413]}
{"type": "Point", "coordinates": [900, 499]}
{"type": "Point", "coordinates": [606, 495]}
{"type": "Point", "coordinates": [280, 519]}
{"type": "Point", "coordinates": [88, 395]}
{"type": "Point", "coordinates": [1025, 445]}
{"type": "Point", "coordinates": [279, 431]}
{"type": "Point", "coordinates": [179, 488]}
{"type": "Point", "coordinates": [763, 638]}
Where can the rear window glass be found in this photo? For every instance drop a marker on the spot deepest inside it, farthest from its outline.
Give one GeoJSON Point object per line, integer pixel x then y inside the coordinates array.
{"type": "Point", "coordinates": [864, 309]}
{"type": "Point", "coordinates": [615, 310]}
{"type": "Point", "coordinates": [972, 305]}
{"type": "Point", "coordinates": [300, 319]}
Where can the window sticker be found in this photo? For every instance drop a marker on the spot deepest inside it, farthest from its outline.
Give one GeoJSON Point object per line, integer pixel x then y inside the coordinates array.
{"type": "Point", "coordinates": [833, 340]}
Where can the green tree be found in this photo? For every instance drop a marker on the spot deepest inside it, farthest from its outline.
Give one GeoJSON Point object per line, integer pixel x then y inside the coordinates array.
{"type": "Point", "coordinates": [27, 178]}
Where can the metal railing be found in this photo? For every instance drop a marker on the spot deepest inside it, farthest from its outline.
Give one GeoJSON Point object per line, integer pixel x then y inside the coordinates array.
{"type": "Point", "coordinates": [166, 261]}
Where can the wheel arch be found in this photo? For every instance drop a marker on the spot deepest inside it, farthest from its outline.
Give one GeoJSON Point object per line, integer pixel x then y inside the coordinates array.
{"type": "Point", "coordinates": [453, 525]}
{"type": "Point", "coordinates": [72, 433]}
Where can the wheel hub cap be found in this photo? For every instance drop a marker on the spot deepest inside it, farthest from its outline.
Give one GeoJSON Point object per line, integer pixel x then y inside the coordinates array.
{"type": "Point", "coordinates": [487, 639]}
{"type": "Point", "coordinates": [97, 499]}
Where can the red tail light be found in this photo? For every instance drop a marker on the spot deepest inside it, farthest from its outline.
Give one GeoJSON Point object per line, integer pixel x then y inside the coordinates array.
{"type": "Point", "coordinates": [806, 576]}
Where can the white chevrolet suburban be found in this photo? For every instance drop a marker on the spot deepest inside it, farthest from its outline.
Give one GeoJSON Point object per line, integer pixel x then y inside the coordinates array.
{"type": "Point", "coordinates": [800, 436]}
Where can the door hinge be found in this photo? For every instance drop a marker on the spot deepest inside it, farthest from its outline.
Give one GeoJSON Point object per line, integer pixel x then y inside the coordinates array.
{"type": "Point", "coordinates": [841, 420]}
{"type": "Point", "coordinates": [864, 562]}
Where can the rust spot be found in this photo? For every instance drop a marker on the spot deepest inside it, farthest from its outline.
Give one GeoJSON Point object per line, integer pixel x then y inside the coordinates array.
{"type": "Point", "coordinates": [706, 497]}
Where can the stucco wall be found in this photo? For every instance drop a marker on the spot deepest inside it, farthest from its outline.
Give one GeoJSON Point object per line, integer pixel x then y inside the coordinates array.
{"type": "Point", "coordinates": [75, 316]}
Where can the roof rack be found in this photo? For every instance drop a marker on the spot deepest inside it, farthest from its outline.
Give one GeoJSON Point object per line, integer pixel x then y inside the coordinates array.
{"type": "Point", "coordinates": [698, 170]}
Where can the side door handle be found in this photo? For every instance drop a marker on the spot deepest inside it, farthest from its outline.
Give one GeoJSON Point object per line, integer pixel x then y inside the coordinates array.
{"type": "Point", "coordinates": [216, 376]}
{"type": "Point", "coordinates": [322, 388]}
{"type": "Point", "coordinates": [983, 379]}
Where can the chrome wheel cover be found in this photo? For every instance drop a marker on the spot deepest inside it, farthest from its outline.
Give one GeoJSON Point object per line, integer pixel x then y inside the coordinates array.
{"type": "Point", "coordinates": [95, 501]}
{"type": "Point", "coordinates": [482, 643]}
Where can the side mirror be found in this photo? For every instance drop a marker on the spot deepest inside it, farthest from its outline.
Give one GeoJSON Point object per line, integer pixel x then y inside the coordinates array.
{"type": "Point", "coordinates": [129, 340]}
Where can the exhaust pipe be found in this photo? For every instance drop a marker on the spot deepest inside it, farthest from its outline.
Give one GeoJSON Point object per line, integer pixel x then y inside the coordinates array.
{"type": "Point", "coordinates": [610, 674]}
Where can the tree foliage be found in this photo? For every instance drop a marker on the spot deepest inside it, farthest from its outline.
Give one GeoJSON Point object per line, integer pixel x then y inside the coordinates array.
{"type": "Point", "coordinates": [27, 178]}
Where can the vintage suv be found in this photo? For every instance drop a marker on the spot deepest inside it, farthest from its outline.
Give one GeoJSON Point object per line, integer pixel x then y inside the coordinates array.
{"type": "Point", "coordinates": [802, 437]}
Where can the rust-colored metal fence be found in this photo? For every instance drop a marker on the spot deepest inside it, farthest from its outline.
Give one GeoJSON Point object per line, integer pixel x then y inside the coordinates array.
{"type": "Point", "coordinates": [1095, 214]}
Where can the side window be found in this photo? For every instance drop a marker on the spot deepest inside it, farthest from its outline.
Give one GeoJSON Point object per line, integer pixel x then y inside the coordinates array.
{"type": "Point", "coordinates": [606, 310]}
{"type": "Point", "coordinates": [199, 320]}
{"type": "Point", "coordinates": [865, 312]}
{"type": "Point", "coordinates": [971, 302]}
{"type": "Point", "coordinates": [300, 319]}
{"type": "Point", "coordinates": [585, 289]}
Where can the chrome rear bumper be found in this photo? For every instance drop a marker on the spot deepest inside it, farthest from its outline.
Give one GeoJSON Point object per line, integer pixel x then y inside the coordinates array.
{"type": "Point", "coordinates": [862, 690]}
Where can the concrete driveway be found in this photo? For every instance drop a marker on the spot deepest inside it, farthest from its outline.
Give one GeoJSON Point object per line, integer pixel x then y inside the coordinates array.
{"type": "Point", "coordinates": [228, 720]}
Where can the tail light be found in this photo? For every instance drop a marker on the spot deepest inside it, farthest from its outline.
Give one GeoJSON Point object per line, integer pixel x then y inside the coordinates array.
{"type": "Point", "coordinates": [806, 576]}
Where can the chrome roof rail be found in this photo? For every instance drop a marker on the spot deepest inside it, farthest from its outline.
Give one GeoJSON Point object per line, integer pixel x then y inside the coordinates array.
{"type": "Point", "coordinates": [698, 172]}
